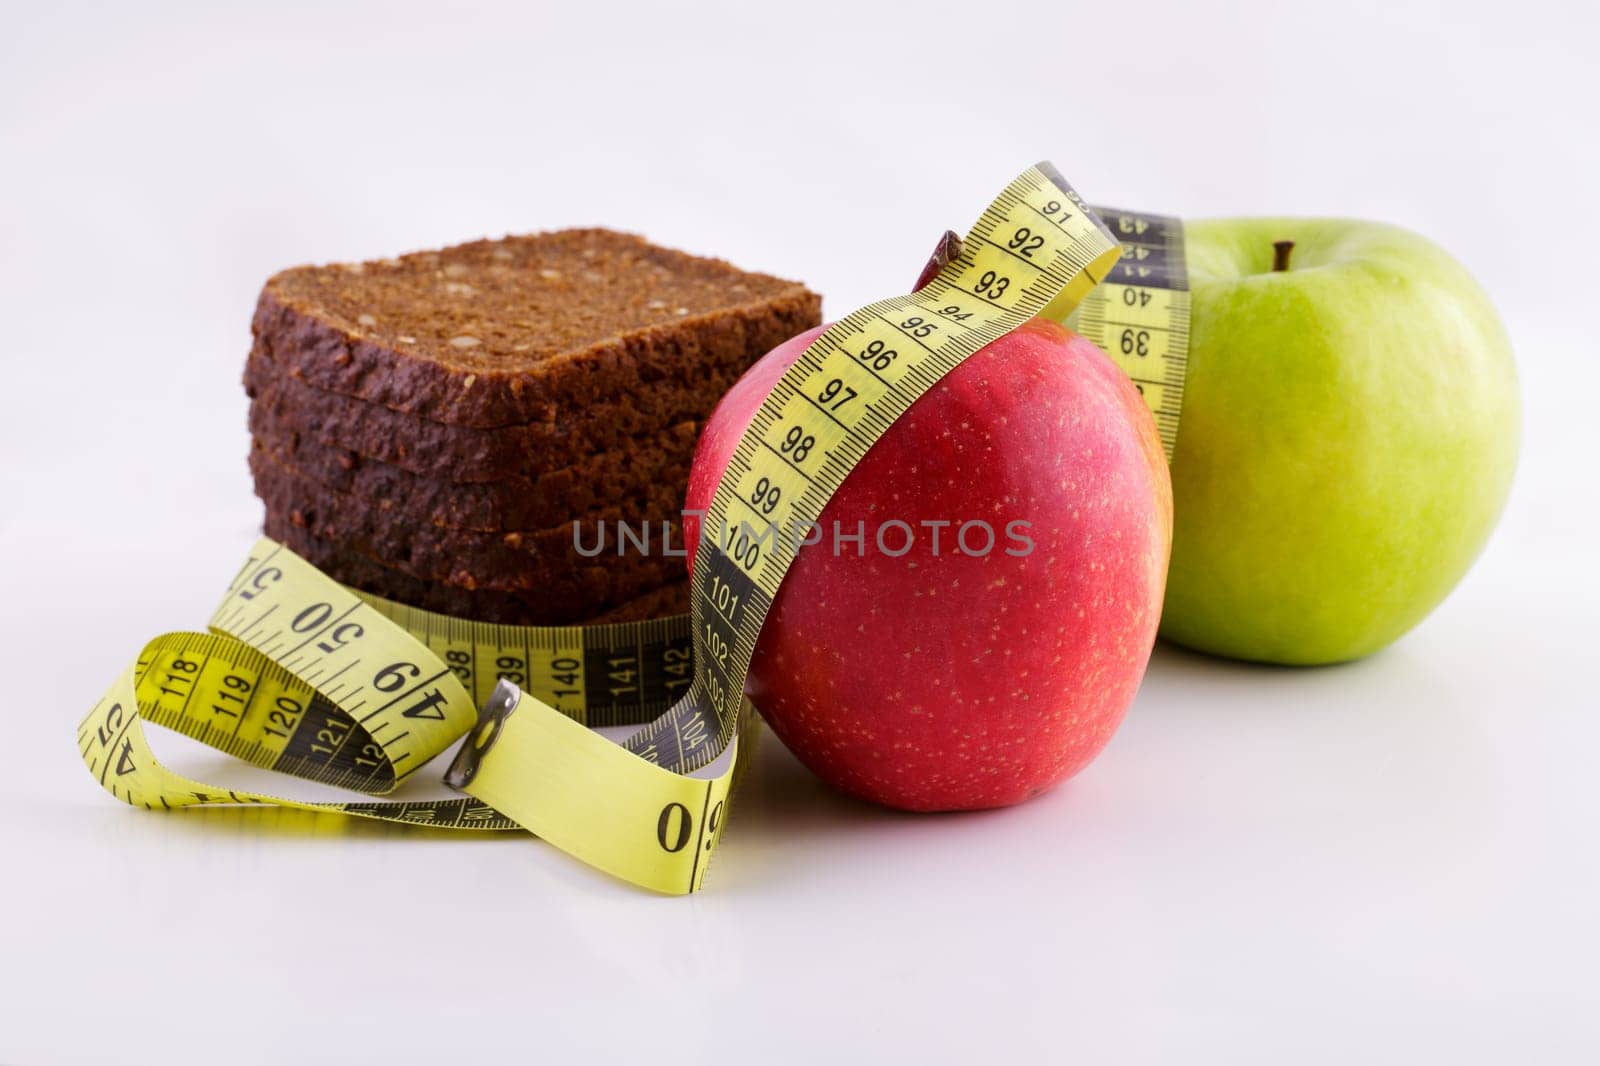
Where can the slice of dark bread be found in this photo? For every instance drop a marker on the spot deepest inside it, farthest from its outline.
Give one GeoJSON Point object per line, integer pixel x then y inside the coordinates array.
{"type": "Point", "coordinates": [282, 406]}
{"type": "Point", "coordinates": [627, 476]}
{"type": "Point", "coordinates": [483, 605]}
{"type": "Point", "coordinates": [668, 599]}
{"type": "Point", "coordinates": [544, 561]}
{"type": "Point", "coordinates": [525, 330]}
{"type": "Point", "coordinates": [569, 598]}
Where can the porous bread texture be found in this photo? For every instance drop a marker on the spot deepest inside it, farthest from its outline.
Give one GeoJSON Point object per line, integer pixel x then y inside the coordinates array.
{"type": "Point", "coordinates": [618, 477]}
{"type": "Point", "coordinates": [428, 427]}
{"type": "Point", "coordinates": [523, 329]}
{"type": "Point", "coordinates": [545, 560]}
{"type": "Point", "coordinates": [485, 605]}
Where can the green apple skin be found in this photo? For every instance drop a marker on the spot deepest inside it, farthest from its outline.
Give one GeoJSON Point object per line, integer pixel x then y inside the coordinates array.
{"type": "Point", "coordinates": [1348, 436]}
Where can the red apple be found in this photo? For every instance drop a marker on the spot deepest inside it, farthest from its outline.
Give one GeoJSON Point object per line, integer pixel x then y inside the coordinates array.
{"type": "Point", "coordinates": [948, 677]}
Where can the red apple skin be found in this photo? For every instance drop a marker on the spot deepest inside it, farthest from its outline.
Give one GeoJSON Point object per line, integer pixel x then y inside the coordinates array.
{"type": "Point", "coordinates": [956, 682]}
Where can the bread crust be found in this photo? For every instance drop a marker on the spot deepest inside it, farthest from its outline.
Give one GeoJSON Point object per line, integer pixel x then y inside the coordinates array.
{"type": "Point", "coordinates": [670, 326]}
{"type": "Point", "coordinates": [628, 477]}
{"type": "Point", "coordinates": [430, 428]}
{"type": "Point", "coordinates": [481, 605]}
{"type": "Point", "coordinates": [282, 406]}
{"type": "Point", "coordinates": [545, 561]}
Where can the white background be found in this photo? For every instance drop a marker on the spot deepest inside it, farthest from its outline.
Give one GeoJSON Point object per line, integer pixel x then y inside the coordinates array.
{"type": "Point", "coordinates": [1394, 861]}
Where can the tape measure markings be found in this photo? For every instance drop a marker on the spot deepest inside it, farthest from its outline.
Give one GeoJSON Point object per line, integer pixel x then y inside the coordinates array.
{"type": "Point", "coordinates": [1140, 316]}
{"type": "Point", "coordinates": [274, 719]}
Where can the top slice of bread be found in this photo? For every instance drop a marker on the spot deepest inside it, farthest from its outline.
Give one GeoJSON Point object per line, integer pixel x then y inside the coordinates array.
{"type": "Point", "coordinates": [522, 329]}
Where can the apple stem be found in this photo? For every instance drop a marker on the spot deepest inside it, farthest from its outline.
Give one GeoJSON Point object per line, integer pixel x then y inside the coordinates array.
{"type": "Point", "coordinates": [948, 248]}
{"type": "Point", "coordinates": [1280, 255]}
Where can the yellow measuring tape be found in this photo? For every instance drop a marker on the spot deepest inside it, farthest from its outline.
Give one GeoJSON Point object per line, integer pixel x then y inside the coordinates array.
{"type": "Point", "coordinates": [303, 675]}
{"type": "Point", "coordinates": [1140, 316]}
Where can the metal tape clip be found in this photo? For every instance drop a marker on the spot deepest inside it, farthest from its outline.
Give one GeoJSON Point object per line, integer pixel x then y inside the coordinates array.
{"type": "Point", "coordinates": [496, 709]}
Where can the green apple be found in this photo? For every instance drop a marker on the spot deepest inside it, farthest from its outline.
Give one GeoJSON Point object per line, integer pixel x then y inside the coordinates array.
{"type": "Point", "coordinates": [1348, 437]}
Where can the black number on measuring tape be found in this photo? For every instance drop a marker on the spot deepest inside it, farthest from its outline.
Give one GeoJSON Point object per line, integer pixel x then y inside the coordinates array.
{"type": "Point", "coordinates": [234, 688]}
{"type": "Point", "coordinates": [992, 285]}
{"type": "Point", "coordinates": [1135, 342]}
{"type": "Point", "coordinates": [565, 671]}
{"type": "Point", "coordinates": [392, 678]}
{"type": "Point", "coordinates": [1025, 242]}
{"type": "Point", "coordinates": [429, 706]}
{"type": "Point", "coordinates": [259, 583]}
{"type": "Point", "coordinates": [918, 327]}
{"type": "Point", "coordinates": [713, 820]}
{"type": "Point", "coordinates": [1135, 297]}
{"type": "Point", "coordinates": [797, 444]}
{"type": "Point", "coordinates": [1054, 208]}
{"type": "Point", "coordinates": [765, 497]}
{"type": "Point", "coordinates": [511, 668]}
{"type": "Point", "coordinates": [112, 726]}
{"type": "Point", "coordinates": [836, 394]}
{"type": "Point", "coordinates": [285, 714]}
{"type": "Point", "coordinates": [179, 674]}
{"type": "Point", "coordinates": [954, 313]}
{"type": "Point", "coordinates": [342, 634]}
{"type": "Point", "coordinates": [743, 548]}
{"type": "Point", "coordinates": [312, 617]}
{"type": "Point", "coordinates": [672, 828]}
{"type": "Point", "coordinates": [878, 355]}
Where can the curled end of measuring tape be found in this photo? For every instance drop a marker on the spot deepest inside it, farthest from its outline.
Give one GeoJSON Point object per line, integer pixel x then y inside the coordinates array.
{"type": "Point", "coordinates": [491, 719]}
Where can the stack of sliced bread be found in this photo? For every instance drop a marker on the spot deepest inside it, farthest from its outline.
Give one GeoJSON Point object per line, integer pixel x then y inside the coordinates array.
{"type": "Point", "coordinates": [432, 428]}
